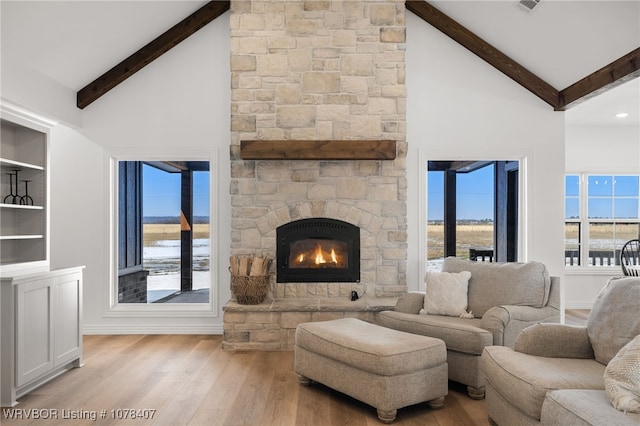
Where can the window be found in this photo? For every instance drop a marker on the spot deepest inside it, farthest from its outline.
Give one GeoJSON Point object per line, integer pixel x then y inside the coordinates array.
{"type": "Point", "coordinates": [163, 232]}
{"type": "Point", "coordinates": [601, 214]}
{"type": "Point", "coordinates": [472, 210]}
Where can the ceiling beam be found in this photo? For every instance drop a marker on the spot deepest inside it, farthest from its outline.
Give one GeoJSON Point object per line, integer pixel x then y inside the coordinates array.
{"type": "Point", "coordinates": [150, 52]}
{"type": "Point", "coordinates": [485, 51]}
{"type": "Point", "coordinates": [617, 72]}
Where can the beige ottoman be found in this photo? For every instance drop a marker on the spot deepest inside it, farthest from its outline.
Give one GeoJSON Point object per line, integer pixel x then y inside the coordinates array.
{"type": "Point", "coordinates": [385, 368]}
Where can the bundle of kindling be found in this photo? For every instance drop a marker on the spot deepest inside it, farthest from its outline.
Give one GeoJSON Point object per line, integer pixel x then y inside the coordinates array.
{"type": "Point", "coordinates": [249, 265]}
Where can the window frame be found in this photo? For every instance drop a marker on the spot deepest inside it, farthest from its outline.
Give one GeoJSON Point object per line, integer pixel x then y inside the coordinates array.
{"type": "Point", "coordinates": [584, 222]}
{"type": "Point", "coordinates": [525, 212]}
{"type": "Point", "coordinates": [175, 310]}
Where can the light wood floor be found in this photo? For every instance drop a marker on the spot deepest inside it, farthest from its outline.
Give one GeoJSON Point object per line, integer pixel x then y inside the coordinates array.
{"type": "Point", "coordinates": [190, 380]}
{"type": "Point", "coordinates": [576, 316]}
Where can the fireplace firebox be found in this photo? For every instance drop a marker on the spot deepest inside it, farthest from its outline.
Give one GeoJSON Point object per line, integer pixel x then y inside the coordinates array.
{"type": "Point", "coordinates": [318, 250]}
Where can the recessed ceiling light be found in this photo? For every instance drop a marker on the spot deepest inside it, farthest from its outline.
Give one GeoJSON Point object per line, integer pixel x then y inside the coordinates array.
{"type": "Point", "coordinates": [622, 114]}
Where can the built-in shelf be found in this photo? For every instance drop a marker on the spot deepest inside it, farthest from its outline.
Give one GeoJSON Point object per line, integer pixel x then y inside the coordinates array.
{"type": "Point", "coordinates": [20, 237]}
{"type": "Point", "coordinates": [4, 162]}
{"type": "Point", "coordinates": [318, 150]}
{"type": "Point", "coordinates": [24, 232]}
{"type": "Point", "coordinates": [20, 206]}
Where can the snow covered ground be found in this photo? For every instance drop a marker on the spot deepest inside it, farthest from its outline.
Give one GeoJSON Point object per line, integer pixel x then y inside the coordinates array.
{"type": "Point", "coordinates": [163, 263]}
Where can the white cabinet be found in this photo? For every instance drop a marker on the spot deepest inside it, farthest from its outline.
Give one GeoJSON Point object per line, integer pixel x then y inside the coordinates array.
{"type": "Point", "coordinates": [41, 321]}
{"type": "Point", "coordinates": [24, 195]}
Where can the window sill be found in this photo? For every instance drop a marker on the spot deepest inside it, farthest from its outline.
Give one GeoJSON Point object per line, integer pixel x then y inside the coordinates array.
{"type": "Point", "coordinates": [594, 270]}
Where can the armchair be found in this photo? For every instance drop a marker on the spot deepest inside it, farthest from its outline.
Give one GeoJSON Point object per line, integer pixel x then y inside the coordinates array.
{"type": "Point", "coordinates": [504, 298]}
{"type": "Point", "coordinates": [555, 372]}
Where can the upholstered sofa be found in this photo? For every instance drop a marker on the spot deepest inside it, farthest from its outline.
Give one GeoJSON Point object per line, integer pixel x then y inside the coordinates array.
{"type": "Point", "coordinates": [572, 375]}
{"type": "Point", "coordinates": [502, 299]}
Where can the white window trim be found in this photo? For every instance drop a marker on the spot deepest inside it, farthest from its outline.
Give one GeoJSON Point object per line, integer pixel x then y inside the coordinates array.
{"type": "Point", "coordinates": [584, 222]}
{"type": "Point", "coordinates": [174, 310]}
{"type": "Point", "coordinates": [488, 155]}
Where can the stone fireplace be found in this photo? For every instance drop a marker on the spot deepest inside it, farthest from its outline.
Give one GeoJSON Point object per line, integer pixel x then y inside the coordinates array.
{"type": "Point", "coordinates": [320, 70]}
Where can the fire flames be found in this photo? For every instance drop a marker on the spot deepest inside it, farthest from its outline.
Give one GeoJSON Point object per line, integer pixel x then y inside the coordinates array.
{"type": "Point", "coordinates": [322, 255]}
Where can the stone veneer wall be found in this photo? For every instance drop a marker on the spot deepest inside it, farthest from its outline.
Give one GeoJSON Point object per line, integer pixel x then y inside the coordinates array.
{"type": "Point", "coordinates": [321, 70]}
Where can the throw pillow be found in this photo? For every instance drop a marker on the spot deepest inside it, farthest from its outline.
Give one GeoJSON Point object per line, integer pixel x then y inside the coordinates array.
{"type": "Point", "coordinates": [622, 378]}
{"type": "Point", "coordinates": [447, 293]}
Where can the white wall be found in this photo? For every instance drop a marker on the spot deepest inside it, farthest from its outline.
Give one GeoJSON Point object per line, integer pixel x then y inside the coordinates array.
{"type": "Point", "coordinates": [603, 149]}
{"type": "Point", "coordinates": [20, 83]}
{"type": "Point", "coordinates": [35, 92]}
{"type": "Point", "coordinates": [459, 107]}
{"type": "Point", "coordinates": [597, 150]}
{"type": "Point", "coordinates": [77, 210]}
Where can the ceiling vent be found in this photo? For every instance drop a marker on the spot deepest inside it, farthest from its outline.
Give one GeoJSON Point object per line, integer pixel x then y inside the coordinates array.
{"type": "Point", "coordinates": [528, 5]}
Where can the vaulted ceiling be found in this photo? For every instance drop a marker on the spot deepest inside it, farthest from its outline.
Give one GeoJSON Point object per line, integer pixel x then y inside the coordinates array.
{"type": "Point", "coordinates": [560, 42]}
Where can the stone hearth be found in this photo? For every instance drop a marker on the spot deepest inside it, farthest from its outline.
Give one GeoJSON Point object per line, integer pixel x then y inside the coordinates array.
{"type": "Point", "coordinates": [272, 325]}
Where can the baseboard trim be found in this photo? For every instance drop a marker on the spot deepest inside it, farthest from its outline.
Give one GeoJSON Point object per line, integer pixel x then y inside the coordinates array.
{"type": "Point", "coordinates": [579, 305]}
{"type": "Point", "coordinates": [152, 329]}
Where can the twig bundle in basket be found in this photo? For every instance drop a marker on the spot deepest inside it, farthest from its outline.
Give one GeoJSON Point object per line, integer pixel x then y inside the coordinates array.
{"type": "Point", "coordinates": [249, 278]}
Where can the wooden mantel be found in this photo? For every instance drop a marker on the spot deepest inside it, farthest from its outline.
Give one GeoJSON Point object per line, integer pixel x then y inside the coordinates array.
{"type": "Point", "coordinates": [318, 149]}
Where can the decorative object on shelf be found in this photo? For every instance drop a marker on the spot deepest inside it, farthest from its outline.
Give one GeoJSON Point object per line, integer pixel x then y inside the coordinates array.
{"type": "Point", "coordinates": [12, 198]}
{"type": "Point", "coordinates": [250, 278]}
{"type": "Point", "coordinates": [26, 200]}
